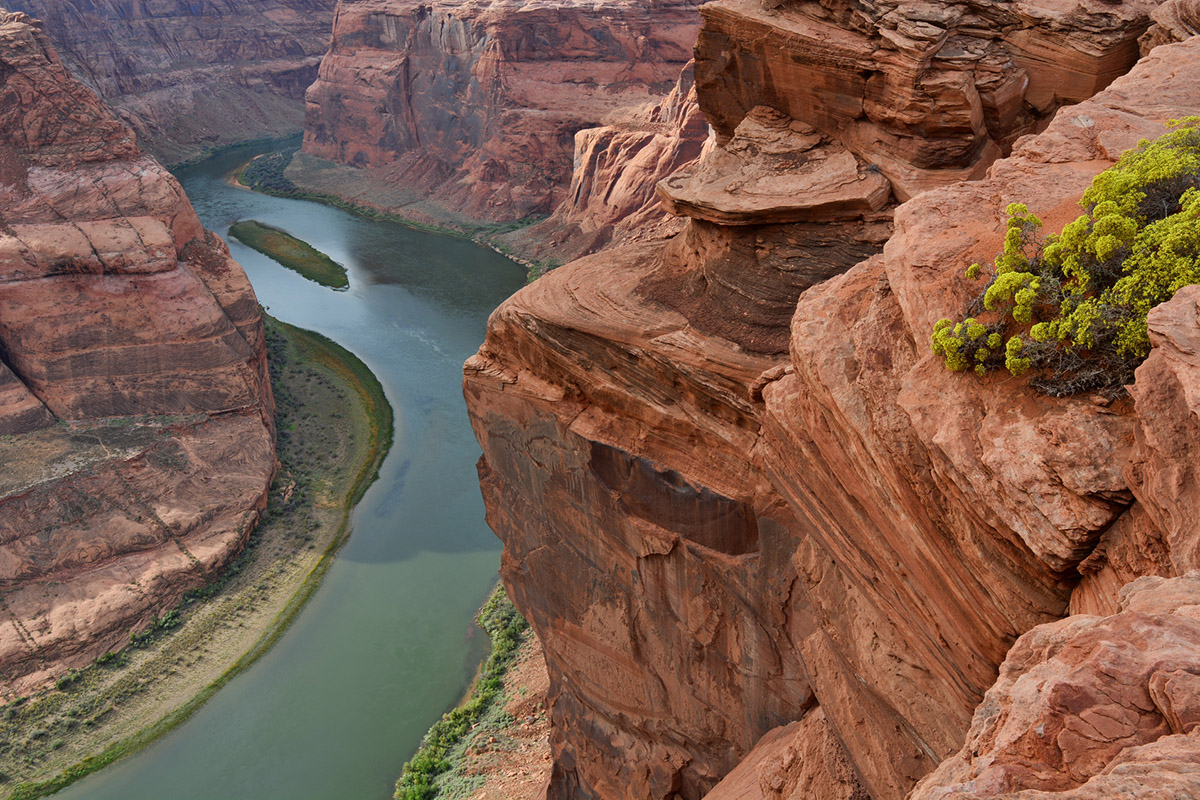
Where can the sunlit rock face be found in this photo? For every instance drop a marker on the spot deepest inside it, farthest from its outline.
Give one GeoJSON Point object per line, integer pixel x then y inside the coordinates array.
{"type": "Point", "coordinates": [736, 491]}
{"type": "Point", "coordinates": [190, 76]}
{"type": "Point", "coordinates": [114, 303]}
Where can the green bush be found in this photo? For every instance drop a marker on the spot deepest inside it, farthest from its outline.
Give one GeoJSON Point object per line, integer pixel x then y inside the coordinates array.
{"type": "Point", "coordinates": [1073, 307]}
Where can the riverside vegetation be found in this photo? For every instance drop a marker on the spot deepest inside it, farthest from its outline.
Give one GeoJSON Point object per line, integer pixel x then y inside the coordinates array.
{"type": "Point", "coordinates": [291, 252]}
{"type": "Point", "coordinates": [334, 429]}
{"type": "Point", "coordinates": [266, 174]}
{"type": "Point", "coordinates": [1073, 307]}
{"type": "Point", "coordinates": [430, 773]}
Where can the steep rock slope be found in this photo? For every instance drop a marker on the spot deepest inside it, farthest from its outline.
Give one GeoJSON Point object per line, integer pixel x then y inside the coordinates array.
{"type": "Point", "coordinates": [466, 110]}
{"type": "Point", "coordinates": [115, 305]}
{"type": "Point", "coordinates": [188, 76]}
{"type": "Point", "coordinates": [719, 526]}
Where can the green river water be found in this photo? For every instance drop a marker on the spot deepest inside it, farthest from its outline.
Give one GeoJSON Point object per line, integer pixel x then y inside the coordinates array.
{"type": "Point", "coordinates": [387, 643]}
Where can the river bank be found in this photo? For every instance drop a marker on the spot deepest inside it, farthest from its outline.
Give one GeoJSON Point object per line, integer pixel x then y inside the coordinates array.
{"type": "Point", "coordinates": [495, 745]}
{"type": "Point", "coordinates": [265, 174]}
{"type": "Point", "coordinates": [334, 429]}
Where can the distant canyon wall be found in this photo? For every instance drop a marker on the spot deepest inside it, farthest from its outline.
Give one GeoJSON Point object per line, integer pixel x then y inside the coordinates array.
{"type": "Point", "coordinates": [743, 505]}
{"type": "Point", "coordinates": [136, 413]}
{"type": "Point", "coordinates": [466, 111]}
{"type": "Point", "coordinates": [192, 76]}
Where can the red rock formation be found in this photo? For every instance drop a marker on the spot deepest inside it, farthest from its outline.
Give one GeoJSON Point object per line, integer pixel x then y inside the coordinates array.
{"type": "Point", "coordinates": [1091, 707]}
{"type": "Point", "coordinates": [113, 301]}
{"type": "Point", "coordinates": [931, 93]}
{"type": "Point", "coordinates": [466, 110]}
{"type": "Point", "coordinates": [714, 527]}
{"type": "Point", "coordinates": [189, 76]}
{"type": "Point", "coordinates": [1174, 21]}
{"type": "Point", "coordinates": [611, 200]}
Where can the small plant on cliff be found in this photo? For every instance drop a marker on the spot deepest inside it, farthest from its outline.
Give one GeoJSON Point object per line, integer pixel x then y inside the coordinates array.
{"type": "Point", "coordinates": [1072, 308]}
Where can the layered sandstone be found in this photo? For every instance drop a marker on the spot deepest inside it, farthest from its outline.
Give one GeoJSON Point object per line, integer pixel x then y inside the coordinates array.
{"type": "Point", "coordinates": [930, 93]}
{"type": "Point", "coordinates": [467, 110]}
{"type": "Point", "coordinates": [720, 524]}
{"type": "Point", "coordinates": [191, 76]}
{"type": "Point", "coordinates": [611, 199]}
{"type": "Point", "coordinates": [115, 304]}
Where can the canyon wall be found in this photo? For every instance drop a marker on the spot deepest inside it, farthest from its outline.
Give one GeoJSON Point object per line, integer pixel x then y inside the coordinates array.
{"type": "Point", "coordinates": [192, 76]}
{"type": "Point", "coordinates": [136, 418]}
{"type": "Point", "coordinates": [743, 505]}
{"type": "Point", "coordinates": [466, 111]}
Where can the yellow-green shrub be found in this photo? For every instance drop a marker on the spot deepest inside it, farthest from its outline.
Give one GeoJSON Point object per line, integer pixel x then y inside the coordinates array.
{"type": "Point", "coordinates": [1073, 307]}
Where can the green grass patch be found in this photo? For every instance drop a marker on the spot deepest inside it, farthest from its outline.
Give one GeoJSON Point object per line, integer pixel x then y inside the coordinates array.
{"type": "Point", "coordinates": [291, 252]}
{"type": "Point", "coordinates": [505, 627]}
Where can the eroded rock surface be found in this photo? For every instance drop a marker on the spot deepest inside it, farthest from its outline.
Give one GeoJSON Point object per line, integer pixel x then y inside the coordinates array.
{"type": "Point", "coordinates": [929, 92]}
{"type": "Point", "coordinates": [115, 305]}
{"type": "Point", "coordinates": [1091, 707]}
{"type": "Point", "coordinates": [467, 110]}
{"type": "Point", "coordinates": [717, 522]}
{"type": "Point", "coordinates": [190, 76]}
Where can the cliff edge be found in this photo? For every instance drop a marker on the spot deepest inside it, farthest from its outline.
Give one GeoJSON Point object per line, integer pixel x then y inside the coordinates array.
{"type": "Point", "coordinates": [135, 408]}
{"type": "Point", "coordinates": [743, 505]}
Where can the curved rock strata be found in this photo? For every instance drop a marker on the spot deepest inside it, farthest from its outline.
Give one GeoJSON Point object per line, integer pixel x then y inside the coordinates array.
{"type": "Point", "coordinates": [191, 76]}
{"type": "Point", "coordinates": [466, 110]}
{"type": "Point", "coordinates": [127, 323]}
{"type": "Point", "coordinates": [718, 524]}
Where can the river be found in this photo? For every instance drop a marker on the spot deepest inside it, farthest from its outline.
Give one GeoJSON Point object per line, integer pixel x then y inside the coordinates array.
{"type": "Point", "coordinates": [386, 644]}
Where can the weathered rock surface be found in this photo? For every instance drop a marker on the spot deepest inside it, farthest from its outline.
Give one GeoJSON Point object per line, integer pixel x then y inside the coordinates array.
{"type": "Point", "coordinates": [715, 523]}
{"type": "Point", "coordinates": [798, 761]}
{"type": "Point", "coordinates": [189, 76]}
{"type": "Point", "coordinates": [611, 200]}
{"type": "Point", "coordinates": [930, 93]}
{"type": "Point", "coordinates": [1091, 707]}
{"type": "Point", "coordinates": [1174, 21]}
{"type": "Point", "coordinates": [114, 302]}
{"type": "Point", "coordinates": [467, 110]}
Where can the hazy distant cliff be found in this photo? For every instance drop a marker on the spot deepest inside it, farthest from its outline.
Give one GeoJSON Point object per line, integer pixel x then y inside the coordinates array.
{"type": "Point", "coordinates": [466, 110]}
{"type": "Point", "coordinates": [114, 303]}
{"type": "Point", "coordinates": [742, 504]}
{"type": "Point", "coordinates": [188, 76]}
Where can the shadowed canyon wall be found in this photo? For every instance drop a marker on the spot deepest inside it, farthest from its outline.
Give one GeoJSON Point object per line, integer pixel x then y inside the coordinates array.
{"type": "Point", "coordinates": [743, 505]}
{"type": "Point", "coordinates": [191, 76]}
{"type": "Point", "coordinates": [466, 111]}
{"type": "Point", "coordinates": [135, 406]}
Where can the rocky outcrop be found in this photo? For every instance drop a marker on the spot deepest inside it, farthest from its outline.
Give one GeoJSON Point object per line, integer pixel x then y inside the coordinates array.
{"type": "Point", "coordinates": [1091, 707]}
{"type": "Point", "coordinates": [929, 93]}
{"type": "Point", "coordinates": [718, 522]}
{"type": "Point", "coordinates": [466, 110]}
{"type": "Point", "coordinates": [191, 76]}
{"type": "Point", "coordinates": [1174, 21]}
{"type": "Point", "coordinates": [611, 200]}
{"type": "Point", "coordinates": [115, 304]}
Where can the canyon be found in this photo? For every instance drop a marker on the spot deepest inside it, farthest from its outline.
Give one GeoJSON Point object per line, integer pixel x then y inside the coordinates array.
{"type": "Point", "coordinates": [771, 547]}
{"type": "Point", "coordinates": [466, 112]}
{"type": "Point", "coordinates": [190, 77]}
{"type": "Point", "coordinates": [135, 409]}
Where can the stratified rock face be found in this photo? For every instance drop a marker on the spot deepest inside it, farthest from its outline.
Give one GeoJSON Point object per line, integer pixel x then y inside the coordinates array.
{"type": "Point", "coordinates": [1091, 707]}
{"type": "Point", "coordinates": [468, 109]}
{"type": "Point", "coordinates": [714, 532]}
{"type": "Point", "coordinates": [1174, 21]}
{"type": "Point", "coordinates": [931, 93]}
{"type": "Point", "coordinates": [189, 76]}
{"type": "Point", "coordinates": [114, 302]}
{"type": "Point", "coordinates": [611, 200]}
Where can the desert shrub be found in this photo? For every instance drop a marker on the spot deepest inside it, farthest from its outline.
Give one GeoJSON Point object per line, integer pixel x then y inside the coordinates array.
{"type": "Point", "coordinates": [1071, 308]}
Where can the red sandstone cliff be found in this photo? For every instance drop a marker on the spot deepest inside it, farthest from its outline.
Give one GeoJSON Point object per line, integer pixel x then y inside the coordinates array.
{"type": "Point", "coordinates": [189, 76]}
{"type": "Point", "coordinates": [467, 110]}
{"type": "Point", "coordinates": [115, 303]}
{"type": "Point", "coordinates": [737, 519]}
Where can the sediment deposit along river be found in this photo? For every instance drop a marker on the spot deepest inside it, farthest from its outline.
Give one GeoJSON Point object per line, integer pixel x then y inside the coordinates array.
{"type": "Point", "coordinates": [383, 648]}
